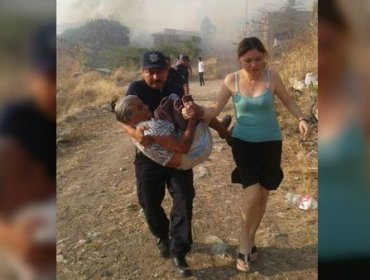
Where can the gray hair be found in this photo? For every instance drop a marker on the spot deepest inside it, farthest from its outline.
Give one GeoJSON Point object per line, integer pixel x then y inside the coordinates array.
{"type": "Point", "coordinates": [123, 108]}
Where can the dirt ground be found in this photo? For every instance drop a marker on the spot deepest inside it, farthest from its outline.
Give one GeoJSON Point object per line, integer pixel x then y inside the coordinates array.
{"type": "Point", "coordinates": [102, 233]}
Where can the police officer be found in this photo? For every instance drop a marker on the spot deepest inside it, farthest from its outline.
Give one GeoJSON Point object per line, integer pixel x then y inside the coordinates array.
{"type": "Point", "coordinates": [174, 237]}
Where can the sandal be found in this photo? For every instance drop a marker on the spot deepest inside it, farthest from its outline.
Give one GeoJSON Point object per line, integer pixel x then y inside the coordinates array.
{"type": "Point", "coordinates": [254, 254]}
{"type": "Point", "coordinates": [243, 262]}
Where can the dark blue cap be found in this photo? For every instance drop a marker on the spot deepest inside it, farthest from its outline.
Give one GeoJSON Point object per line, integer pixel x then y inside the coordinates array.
{"type": "Point", "coordinates": [154, 59]}
{"type": "Point", "coordinates": [43, 48]}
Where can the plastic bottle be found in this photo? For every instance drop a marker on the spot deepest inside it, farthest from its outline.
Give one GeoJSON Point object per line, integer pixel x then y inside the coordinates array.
{"type": "Point", "coordinates": [304, 202]}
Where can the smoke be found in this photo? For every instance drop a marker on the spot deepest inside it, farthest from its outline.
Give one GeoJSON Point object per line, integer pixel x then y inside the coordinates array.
{"type": "Point", "coordinates": [145, 17]}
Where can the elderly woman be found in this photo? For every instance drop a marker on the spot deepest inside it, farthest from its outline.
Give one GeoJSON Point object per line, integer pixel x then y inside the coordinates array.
{"type": "Point", "coordinates": [256, 138]}
{"type": "Point", "coordinates": [170, 147]}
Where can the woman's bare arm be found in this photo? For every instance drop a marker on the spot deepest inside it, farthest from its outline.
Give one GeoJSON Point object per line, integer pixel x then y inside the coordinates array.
{"type": "Point", "coordinates": [289, 103]}
{"type": "Point", "coordinates": [286, 99]}
{"type": "Point", "coordinates": [215, 109]}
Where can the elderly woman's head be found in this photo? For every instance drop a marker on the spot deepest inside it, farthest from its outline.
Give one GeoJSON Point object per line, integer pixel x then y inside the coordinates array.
{"type": "Point", "coordinates": [131, 110]}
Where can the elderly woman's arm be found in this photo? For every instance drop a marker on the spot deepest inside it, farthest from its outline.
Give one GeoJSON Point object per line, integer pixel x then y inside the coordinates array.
{"type": "Point", "coordinates": [178, 145]}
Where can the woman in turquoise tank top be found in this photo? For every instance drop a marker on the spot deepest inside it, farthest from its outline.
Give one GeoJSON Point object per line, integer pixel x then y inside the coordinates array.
{"type": "Point", "coordinates": [256, 138]}
{"type": "Point", "coordinates": [344, 181]}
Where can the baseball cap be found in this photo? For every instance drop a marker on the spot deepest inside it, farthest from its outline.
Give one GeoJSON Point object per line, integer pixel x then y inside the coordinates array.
{"type": "Point", "coordinates": [154, 59]}
{"type": "Point", "coordinates": [43, 48]}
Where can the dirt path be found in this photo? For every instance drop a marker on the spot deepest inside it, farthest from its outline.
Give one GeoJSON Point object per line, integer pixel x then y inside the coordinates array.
{"type": "Point", "coordinates": [102, 233]}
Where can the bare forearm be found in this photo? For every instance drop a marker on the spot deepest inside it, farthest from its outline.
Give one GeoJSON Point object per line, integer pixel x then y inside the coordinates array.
{"type": "Point", "coordinates": [187, 138]}
{"type": "Point", "coordinates": [206, 112]}
{"type": "Point", "coordinates": [294, 109]}
{"type": "Point", "coordinates": [129, 130]}
{"type": "Point", "coordinates": [186, 89]}
{"type": "Point", "coordinates": [211, 112]}
{"type": "Point", "coordinates": [12, 239]}
{"type": "Point", "coordinates": [175, 144]}
{"type": "Point", "coordinates": [5, 233]}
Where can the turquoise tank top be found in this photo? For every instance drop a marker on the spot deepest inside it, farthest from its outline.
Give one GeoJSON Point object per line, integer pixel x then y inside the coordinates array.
{"type": "Point", "coordinates": [255, 116]}
{"type": "Point", "coordinates": [344, 196]}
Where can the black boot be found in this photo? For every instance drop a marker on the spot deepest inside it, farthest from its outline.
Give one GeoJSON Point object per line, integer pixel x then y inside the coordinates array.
{"type": "Point", "coordinates": [163, 247]}
{"type": "Point", "coordinates": [181, 266]}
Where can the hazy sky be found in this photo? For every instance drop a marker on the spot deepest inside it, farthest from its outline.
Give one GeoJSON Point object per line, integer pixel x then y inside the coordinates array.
{"type": "Point", "coordinates": [148, 16]}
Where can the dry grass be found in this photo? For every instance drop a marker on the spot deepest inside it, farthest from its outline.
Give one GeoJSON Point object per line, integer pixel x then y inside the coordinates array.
{"type": "Point", "coordinates": [300, 159]}
{"type": "Point", "coordinates": [123, 76]}
{"type": "Point", "coordinates": [299, 58]}
{"type": "Point", "coordinates": [78, 90]}
{"type": "Point", "coordinates": [67, 66]}
{"type": "Point", "coordinates": [89, 90]}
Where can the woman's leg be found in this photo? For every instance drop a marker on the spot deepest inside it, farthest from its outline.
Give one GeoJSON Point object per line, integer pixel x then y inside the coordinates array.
{"type": "Point", "coordinates": [249, 210]}
{"type": "Point", "coordinates": [259, 215]}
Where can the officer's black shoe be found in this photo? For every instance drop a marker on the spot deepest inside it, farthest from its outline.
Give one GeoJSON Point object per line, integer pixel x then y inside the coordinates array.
{"type": "Point", "coordinates": [163, 247]}
{"type": "Point", "coordinates": [181, 266]}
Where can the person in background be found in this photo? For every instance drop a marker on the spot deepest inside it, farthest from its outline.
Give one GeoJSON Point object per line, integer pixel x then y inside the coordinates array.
{"type": "Point", "coordinates": [220, 126]}
{"type": "Point", "coordinates": [173, 76]}
{"type": "Point", "coordinates": [184, 69]}
{"type": "Point", "coordinates": [178, 60]}
{"type": "Point", "coordinates": [201, 71]}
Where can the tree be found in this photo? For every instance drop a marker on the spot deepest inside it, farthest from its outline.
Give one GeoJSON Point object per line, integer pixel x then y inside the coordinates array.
{"type": "Point", "coordinates": [100, 32]}
{"type": "Point", "coordinates": [96, 39]}
{"type": "Point", "coordinates": [208, 30]}
{"type": "Point", "coordinates": [189, 48]}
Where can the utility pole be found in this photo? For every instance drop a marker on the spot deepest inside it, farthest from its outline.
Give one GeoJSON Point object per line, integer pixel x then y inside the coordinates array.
{"type": "Point", "coordinates": [246, 18]}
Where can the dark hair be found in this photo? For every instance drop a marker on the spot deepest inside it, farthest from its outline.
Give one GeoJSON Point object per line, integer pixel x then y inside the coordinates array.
{"type": "Point", "coordinates": [329, 11]}
{"type": "Point", "coordinates": [248, 44]}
